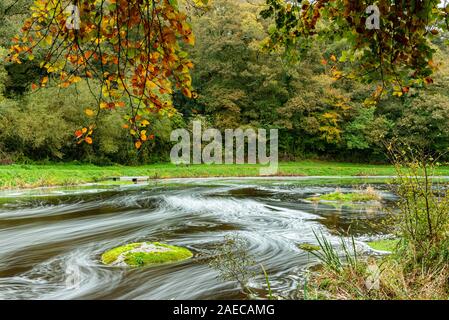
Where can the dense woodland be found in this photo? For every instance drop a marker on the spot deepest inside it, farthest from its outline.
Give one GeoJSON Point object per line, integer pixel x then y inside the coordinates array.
{"type": "Point", "coordinates": [236, 83]}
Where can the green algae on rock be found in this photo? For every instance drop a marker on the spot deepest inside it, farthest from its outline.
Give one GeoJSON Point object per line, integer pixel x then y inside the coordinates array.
{"type": "Point", "coordinates": [363, 196]}
{"type": "Point", "coordinates": [387, 245]}
{"type": "Point", "coordinates": [144, 253]}
{"type": "Point", "coordinates": [308, 247]}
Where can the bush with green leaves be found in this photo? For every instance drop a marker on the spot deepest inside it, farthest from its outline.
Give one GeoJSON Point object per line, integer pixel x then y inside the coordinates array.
{"type": "Point", "coordinates": [233, 262]}
{"type": "Point", "coordinates": [421, 219]}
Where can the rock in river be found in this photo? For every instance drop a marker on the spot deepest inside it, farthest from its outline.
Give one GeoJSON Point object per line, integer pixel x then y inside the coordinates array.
{"type": "Point", "coordinates": [144, 253]}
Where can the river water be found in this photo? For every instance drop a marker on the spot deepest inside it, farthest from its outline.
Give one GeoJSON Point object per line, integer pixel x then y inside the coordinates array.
{"type": "Point", "coordinates": [51, 239]}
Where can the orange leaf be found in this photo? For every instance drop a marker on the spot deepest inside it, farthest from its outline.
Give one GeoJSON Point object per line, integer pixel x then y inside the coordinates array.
{"type": "Point", "coordinates": [88, 140]}
{"type": "Point", "coordinates": [78, 134]}
{"type": "Point", "coordinates": [187, 92]}
{"type": "Point", "coordinates": [138, 144]}
{"type": "Point", "coordinates": [190, 39]}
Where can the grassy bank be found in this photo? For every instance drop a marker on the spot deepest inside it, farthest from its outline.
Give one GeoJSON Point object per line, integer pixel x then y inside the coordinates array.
{"type": "Point", "coordinates": [27, 176]}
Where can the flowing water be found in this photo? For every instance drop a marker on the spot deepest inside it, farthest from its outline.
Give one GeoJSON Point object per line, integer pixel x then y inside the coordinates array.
{"type": "Point", "coordinates": [51, 240]}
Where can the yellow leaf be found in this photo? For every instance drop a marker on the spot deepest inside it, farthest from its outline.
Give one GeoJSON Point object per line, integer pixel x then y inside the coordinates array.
{"type": "Point", "coordinates": [151, 84]}
{"type": "Point", "coordinates": [138, 144]}
{"type": "Point", "coordinates": [89, 112]}
{"type": "Point", "coordinates": [190, 39]}
{"type": "Point", "coordinates": [48, 39]}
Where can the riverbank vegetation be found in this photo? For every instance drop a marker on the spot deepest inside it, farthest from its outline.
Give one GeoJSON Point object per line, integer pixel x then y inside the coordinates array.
{"type": "Point", "coordinates": [418, 266]}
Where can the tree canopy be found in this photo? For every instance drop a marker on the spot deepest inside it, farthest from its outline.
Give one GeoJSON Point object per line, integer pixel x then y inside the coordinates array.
{"type": "Point", "coordinates": [131, 47]}
{"type": "Point", "coordinates": [312, 70]}
{"type": "Point", "coordinates": [398, 53]}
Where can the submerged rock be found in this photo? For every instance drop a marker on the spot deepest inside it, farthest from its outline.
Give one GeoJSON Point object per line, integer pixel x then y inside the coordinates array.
{"type": "Point", "coordinates": [144, 253]}
{"type": "Point", "coordinates": [308, 247]}
{"type": "Point", "coordinates": [369, 195]}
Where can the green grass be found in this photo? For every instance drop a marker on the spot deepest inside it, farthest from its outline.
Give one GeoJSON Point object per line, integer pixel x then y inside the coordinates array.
{"type": "Point", "coordinates": [28, 176]}
{"type": "Point", "coordinates": [384, 245]}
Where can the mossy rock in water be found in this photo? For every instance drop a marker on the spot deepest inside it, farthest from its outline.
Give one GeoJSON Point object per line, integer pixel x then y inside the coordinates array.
{"type": "Point", "coordinates": [144, 253]}
{"type": "Point", "coordinates": [308, 247]}
{"type": "Point", "coordinates": [387, 245]}
{"type": "Point", "coordinates": [346, 197]}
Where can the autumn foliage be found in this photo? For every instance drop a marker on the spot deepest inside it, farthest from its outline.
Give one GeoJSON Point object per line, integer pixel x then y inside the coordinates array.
{"type": "Point", "coordinates": [132, 50]}
{"type": "Point", "coordinates": [398, 55]}
{"type": "Point", "coordinates": [132, 47]}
